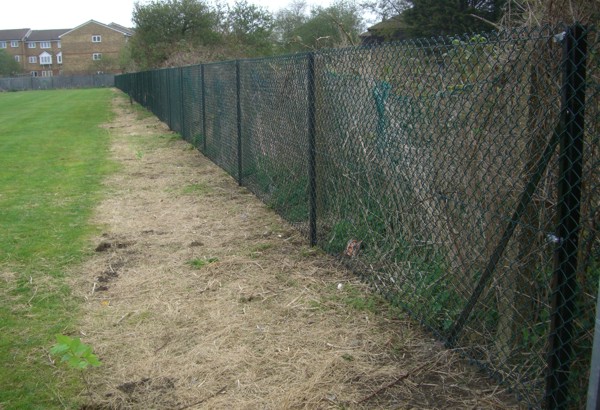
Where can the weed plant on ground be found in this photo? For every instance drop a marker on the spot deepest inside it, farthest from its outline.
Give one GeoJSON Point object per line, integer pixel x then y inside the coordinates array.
{"type": "Point", "coordinates": [54, 156]}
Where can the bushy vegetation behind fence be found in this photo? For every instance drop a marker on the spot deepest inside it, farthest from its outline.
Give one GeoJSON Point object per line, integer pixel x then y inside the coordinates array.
{"type": "Point", "coordinates": [459, 176]}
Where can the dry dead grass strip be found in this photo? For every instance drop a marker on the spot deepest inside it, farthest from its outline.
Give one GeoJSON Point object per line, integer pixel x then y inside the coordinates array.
{"type": "Point", "coordinates": [262, 325]}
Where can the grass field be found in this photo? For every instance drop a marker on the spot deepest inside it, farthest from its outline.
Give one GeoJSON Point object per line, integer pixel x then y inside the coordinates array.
{"type": "Point", "coordinates": [53, 156]}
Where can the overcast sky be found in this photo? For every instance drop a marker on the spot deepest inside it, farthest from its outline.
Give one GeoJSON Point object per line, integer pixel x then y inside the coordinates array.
{"type": "Point", "coordinates": [57, 14]}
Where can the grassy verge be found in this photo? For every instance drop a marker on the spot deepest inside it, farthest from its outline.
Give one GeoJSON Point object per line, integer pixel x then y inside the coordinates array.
{"type": "Point", "coordinates": [53, 157]}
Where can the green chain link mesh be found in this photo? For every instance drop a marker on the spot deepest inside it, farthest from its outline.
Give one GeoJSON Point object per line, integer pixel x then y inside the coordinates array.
{"type": "Point", "coordinates": [436, 178]}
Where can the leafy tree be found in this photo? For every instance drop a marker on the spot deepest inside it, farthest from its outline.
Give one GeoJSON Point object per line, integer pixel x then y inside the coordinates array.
{"type": "Point", "coordinates": [430, 18]}
{"type": "Point", "coordinates": [337, 25]}
{"type": "Point", "coordinates": [126, 62]}
{"type": "Point", "coordinates": [250, 28]}
{"type": "Point", "coordinates": [8, 65]}
{"type": "Point", "coordinates": [105, 65]}
{"type": "Point", "coordinates": [290, 18]}
{"type": "Point", "coordinates": [386, 9]}
{"type": "Point", "coordinates": [163, 26]}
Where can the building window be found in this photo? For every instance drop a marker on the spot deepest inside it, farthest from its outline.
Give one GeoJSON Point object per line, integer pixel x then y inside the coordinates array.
{"type": "Point", "coordinates": [18, 59]}
{"type": "Point", "coordinates": [45, 44]}
{"type": "Point", "coordinates": [96, 39]}
{"type": "Point", "coordinates": [33, 59]}
{"type": "Point", "coordinates": [31, 44]}
{"type": "Point", "coordinates": [47, 73]}
{"type": "Point", "coordinates": [58, 44]}
{"type": "Point", "coordinates": [14, 43]}
{"type": "Point", "coordinates": [97, 56]}
{"type": "Point", "coordinates": [34, 73]}
{"type": "Point", "coordinates": [2, 44]}
{"type": "Point", "coordinates": [45, 58]}
{"type": "Point", "coordinates": [59, 58]}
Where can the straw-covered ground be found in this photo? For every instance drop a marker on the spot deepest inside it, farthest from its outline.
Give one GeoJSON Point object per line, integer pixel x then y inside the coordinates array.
{"type": "Point", "coordinates": [199, 296]}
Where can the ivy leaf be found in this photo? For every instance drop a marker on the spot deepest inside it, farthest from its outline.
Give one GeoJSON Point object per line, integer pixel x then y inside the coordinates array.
{"type": "Point", "coordinates": [76, 363]}
{"type": "Point", "coordinates": [93, 360]}
{"type": "Point", "coordinates": [59, 349]}
{"type": "Point", "coordinates": [65, 340]}
{"type": "Point", "coordinates": [80, 349]}
{"type": "Point", "coordinates": [74, 352]}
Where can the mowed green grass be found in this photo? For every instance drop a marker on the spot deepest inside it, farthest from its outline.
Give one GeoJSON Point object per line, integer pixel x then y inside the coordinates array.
{"type": "Point", "coordinates": [53, 157]}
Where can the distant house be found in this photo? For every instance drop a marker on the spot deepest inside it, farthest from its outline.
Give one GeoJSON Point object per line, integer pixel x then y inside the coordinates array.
{"type": "Point", "coordinates": [43, 54]}
{"type": "Point", "coordinates": [89, 48]}
{"type": "Point", "coordinates": [94, 47]}
{"type": "Point", "coordinates": [13, 42]}
{"type": "Point", "coordinates": [392, 29]}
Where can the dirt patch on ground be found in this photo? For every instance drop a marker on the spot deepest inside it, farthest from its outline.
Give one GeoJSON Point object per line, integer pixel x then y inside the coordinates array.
{"type": "Point", "coordinates": [198, 296]}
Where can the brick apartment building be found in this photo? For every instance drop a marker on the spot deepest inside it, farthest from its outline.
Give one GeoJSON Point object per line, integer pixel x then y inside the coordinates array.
{"type": "Point", "coordinates": [89, 48]}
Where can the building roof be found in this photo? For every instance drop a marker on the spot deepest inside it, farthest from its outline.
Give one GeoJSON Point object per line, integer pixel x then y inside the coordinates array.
{"type": "Point", "coordinates": [16, 34]}
{"type": "Point", "coordinates": [124, 29]}
{"type": "Point", "coordinates": [115, 27]}
{"type": "Point", "coordinates": [393, 28]}
{"type": "Point", "coordinates": [26, 34]}
{"type": "Point", "coordinates": [46, 35]}
{"type": "Point", "coordinates": [393, 23]}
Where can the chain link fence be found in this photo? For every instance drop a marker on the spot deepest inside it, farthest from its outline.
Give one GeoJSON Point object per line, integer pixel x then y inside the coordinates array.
{"type": "Point", "coordinates": [458, 176]}
{"type": "Point", "coordinates": [58, 82]}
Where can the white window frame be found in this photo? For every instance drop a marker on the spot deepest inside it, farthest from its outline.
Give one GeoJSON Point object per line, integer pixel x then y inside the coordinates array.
{"type": "Point", "coordinates": [58, 44]}
{"type": "Point", "coordinates": [96, 38]}
{"type": "Point", "coordinates": [45, 58]}
{"type": "Point", "coordinates": [14, 43]}
{"type": "Point", "coordinates": [34, 73]}
{"type": "Point", "coordinates": [47, 73]}
{"type": "Point", "coordinates": [59, 58]}
{"type": "Point", "coordinates": [2, 44]}
{"type": "Point", "coordinates": [32, 59]}
{"type": "Point", "coordinates": [97, 56]}
{"type": "Point", "coordinates": [18, 59]}
{"type": "Point", "coordinates": [31, 44]}
{"type": "Point", "coordinates": [45, 44]}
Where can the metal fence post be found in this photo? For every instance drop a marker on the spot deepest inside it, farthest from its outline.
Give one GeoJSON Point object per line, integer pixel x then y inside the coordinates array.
{"type": "Point", "coordinates": [239, 120]}
{"type": "Point", "coordinates": [158, 93]}
{"type": "Point", "coordinates": [593, 395]}
{"type": "Point", "coordinates": [181, 114]}
{"type": "Point", "coordinates": [172, 72]}
{"type": "Point", "coordinates": [203, 109]}
{"type": "Point", "coordinates": [169, 95]}
{"type": "Point", "coordinates": [312, 175]}
{"type": "Point", "coordinates": [564, 283]}
{"type": "Point", "coordinates": [150, 90]}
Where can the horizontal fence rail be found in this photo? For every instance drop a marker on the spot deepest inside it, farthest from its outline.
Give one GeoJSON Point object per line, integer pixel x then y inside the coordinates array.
{"type": "Point", "coordinates": [58, 82]}
{"type": "Point", "coordinates": [458, 176]}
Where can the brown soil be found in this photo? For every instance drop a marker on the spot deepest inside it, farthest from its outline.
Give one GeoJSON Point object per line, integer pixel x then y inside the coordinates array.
{"type": "Point", "coordinates": [199, 296]}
